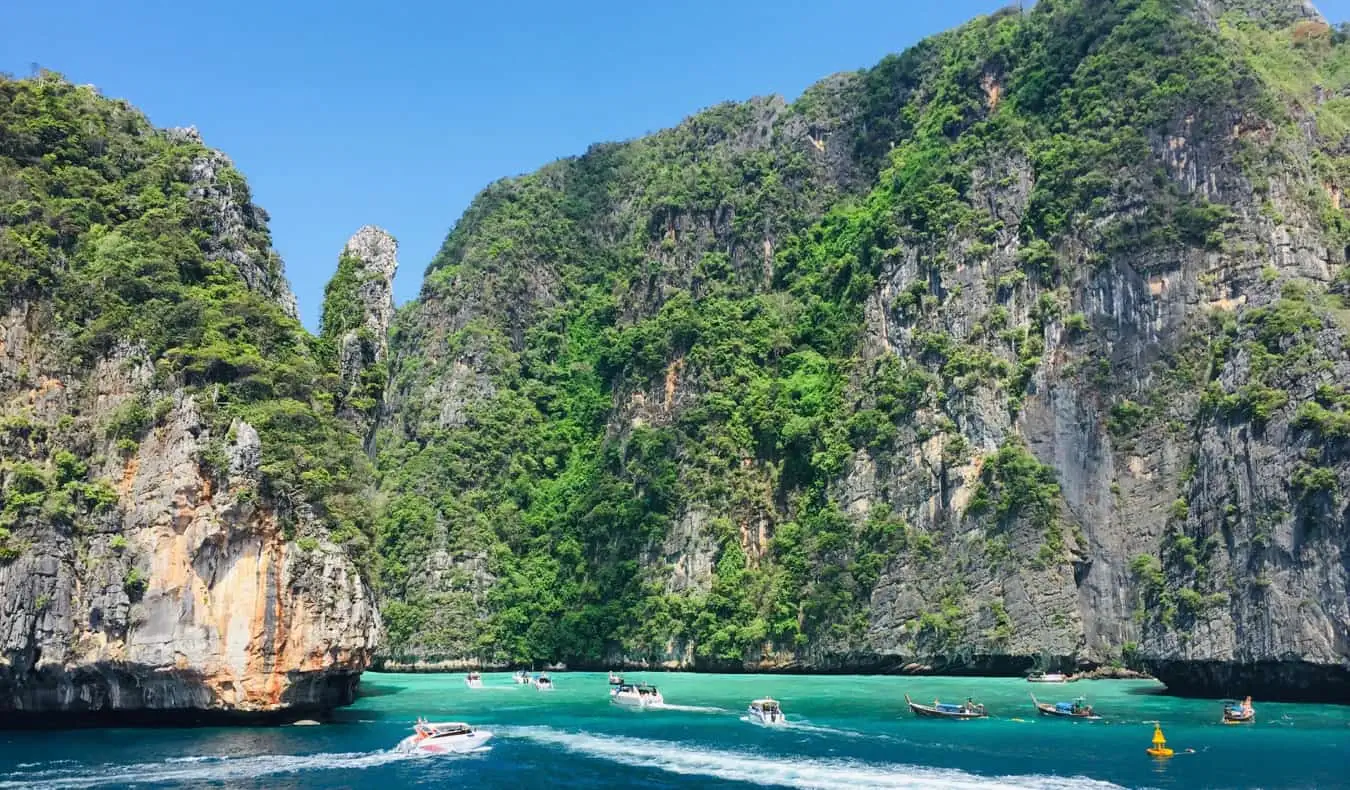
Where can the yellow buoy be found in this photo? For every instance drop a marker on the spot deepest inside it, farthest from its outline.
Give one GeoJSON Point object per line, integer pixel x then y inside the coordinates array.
{"type": "Point", "coordinates": [1159, 743]}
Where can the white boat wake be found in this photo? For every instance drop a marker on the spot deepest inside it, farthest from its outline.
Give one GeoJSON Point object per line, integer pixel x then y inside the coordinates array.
{"type": "Point", "coordinates": [688, 708]}
{"type": "Point", "coordinates": [786, 771]}
{"type": "Point", "coordinates": [190, 771]}
{"type": "Point", "coordinates": [802, 725]}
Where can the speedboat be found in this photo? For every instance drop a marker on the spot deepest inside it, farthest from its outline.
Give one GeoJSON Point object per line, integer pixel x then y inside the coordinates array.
{"type": "Point", "coordinates": [1047, 677]}
{"type": "Point", "coordinates": [522, 678]}
{"type": "Point", "coordinates": [636, 696]}
{"type": "Point", "coordinates": [947, 710]}
{"type": "Point", "coordinates": [474, 680]}
{"type": "Point", "coordinates": [1078, 709]}
{"type": "Point", "coordinates": [442, 738]}
{"type": "Point", "coordinates": [543, 683]}
{"type": "Point", "coordinates": [615, 682]}
{"type": "Point", "coordinates": [1235, 712]}
{"type": "Point", "coordinates": [767, 711]}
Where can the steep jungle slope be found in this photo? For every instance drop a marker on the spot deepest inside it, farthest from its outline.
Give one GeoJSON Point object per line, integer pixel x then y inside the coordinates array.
{"type": "Point", "coordinates": [1026, 345]}
{"type": "Point", "coordinates": [183, 520]}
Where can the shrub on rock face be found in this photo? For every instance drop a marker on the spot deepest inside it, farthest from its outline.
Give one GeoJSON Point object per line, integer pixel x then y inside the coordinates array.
{"type": "Point", "coordinates": [1309, 480]}
{"type": "Point", "coordinates": [135, 582]}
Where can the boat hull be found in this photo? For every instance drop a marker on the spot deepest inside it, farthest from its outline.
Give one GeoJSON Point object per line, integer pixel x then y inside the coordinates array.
{"type": "Point", "coordinates": [930, 712]}
{"type": "Point", "coordinates": [1048, 710]}
{"type": "Point", "coordinates": [1235, 712]}
{"type": "Point", "coordinates": [629, 701]}
{"type": "Point", "coordinates": [768, 721]}
{"type": "Point", "coordinates": [453, 744]}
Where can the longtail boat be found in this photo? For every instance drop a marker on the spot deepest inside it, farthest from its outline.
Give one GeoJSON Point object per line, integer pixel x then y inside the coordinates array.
{"type": "Point", "coordinates": [1078, 709]}
{"type": "Point", "coordinates": [1235, 712]}
{"type": "Point", "coordinates": [947, 710]}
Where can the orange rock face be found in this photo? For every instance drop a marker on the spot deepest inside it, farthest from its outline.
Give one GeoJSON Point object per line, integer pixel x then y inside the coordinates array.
{"type": "Point", "coordinates": [185, 598]}
{"type": "Point", "coordinates": [227, 594]}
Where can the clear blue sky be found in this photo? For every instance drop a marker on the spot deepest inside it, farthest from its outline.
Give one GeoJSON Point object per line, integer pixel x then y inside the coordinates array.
{"type": "Point", "coordinates": [396, 113]}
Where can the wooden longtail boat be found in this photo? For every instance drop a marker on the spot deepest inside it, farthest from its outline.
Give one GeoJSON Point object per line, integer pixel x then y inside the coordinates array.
{"type": "Point", "coordinates": [1078, 709]}
{"type": "Point", "coordinates": [946, 710]}
{"type": "Point", "coordinates": [1235, 712]}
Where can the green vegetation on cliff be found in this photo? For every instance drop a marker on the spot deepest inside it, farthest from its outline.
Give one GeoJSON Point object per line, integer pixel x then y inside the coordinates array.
{"type": "Point", "coordinates": [687, 347]}
{"type": "Point", "coordinates": [128, 243]}
{"type": "Point", "coordinates": [928, 364]}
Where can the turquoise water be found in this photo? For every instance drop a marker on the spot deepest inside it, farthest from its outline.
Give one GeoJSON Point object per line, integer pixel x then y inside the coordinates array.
{"type": "Point", "coordinates": [846, 732]}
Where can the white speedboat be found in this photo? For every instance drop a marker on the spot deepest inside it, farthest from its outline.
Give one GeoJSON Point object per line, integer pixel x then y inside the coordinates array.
{"type": "Point", "coordinates": [450, 737]}
{"type": "Point", "coordinates": [767, 711]}
{"type": "Point", "coordinates": [522, 678]}
{"type": "Point", "coordinates": [543, 683]}
{"type": "Point", "coordinates": [474, 680]}
{"type": "Point", "coordinates": [1047, 677]}
{"type": "Point", "coordinates": [639, 696]}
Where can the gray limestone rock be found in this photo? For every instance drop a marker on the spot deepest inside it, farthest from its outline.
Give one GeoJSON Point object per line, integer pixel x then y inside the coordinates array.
{"type": "Point", "coordinates": [235, 223]}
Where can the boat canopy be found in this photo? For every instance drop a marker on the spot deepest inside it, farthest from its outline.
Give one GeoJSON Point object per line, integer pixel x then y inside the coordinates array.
{"type": "Point", "coordinates": [444, 728]}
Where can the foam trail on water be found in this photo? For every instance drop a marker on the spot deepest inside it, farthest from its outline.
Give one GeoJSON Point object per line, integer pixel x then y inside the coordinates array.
{"type": "Point", "coordinates": [188, 771]}
{"type": "Point", "coordinates": [785, 771]}
{"type": "Point", "coordinates": [803, 725]}
{"type": "Point", "coordinates": [689, 708]}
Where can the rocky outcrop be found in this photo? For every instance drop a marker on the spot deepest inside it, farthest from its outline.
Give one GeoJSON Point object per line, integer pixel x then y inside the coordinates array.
{"type": "Point", "coordinates": [357, 315]}
{"type": "Point", "coordinates": [237, 228]}
{"type": "Point", "coordinates": [170, 547]}
{"type": "Point", "coordinates": [376, 253]}
{"type": "Point", "coordinates": [162, 588]}
{"type": "Point", "coordinates": [1273, 13]}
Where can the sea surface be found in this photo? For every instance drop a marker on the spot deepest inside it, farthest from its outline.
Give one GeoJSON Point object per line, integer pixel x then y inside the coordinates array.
{"type": "Point", "coordinates": [844, 732]}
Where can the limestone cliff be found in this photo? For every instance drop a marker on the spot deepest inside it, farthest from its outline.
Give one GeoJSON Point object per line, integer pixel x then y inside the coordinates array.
{"type": "Point", "coordinates": [173, 541]}
{"type": "Point", "coordinates": [358, 310]}
{"type": "Point", "coordinates": [1027, 346]}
